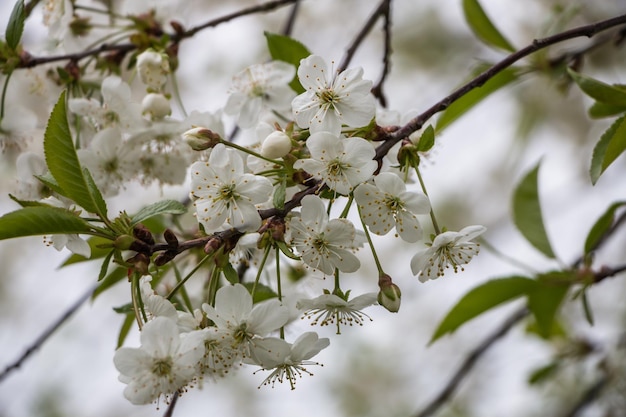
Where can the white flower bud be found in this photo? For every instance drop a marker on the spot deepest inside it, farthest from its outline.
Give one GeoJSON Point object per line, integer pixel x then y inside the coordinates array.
{"type": "Point", "coordinates": [201, 138]}
{"type": "Point", "coordinates": [276, 145]}
{"type": "Point", "coordinates": [153, 69]}
{"type": "Point", "coordinates": [156, 105]}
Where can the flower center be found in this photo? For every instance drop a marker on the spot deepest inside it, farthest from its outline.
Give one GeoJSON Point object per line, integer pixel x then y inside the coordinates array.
{"type": "Point", "coordinates": [162, 367]}
{"type": "Point", "coordinates": [240, 334]}
{"type": "Point", "coordinates": [394, 204]}
{"type": "Point", "coordinates": [227, 192]}
{"type": "Point", "coordinates": [336, 168]}
{"type": "Point", "coordinates": [328, 96]}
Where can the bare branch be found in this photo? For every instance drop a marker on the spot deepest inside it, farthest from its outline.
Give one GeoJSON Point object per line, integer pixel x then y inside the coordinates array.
{"type": "Point", "coordinates": [47, 333]}
{"type": "Point", "coordinates": [292, 19]}
{"type": "Point", "coordinates": [377, 90]}
{"type": "Point", "coordinates": [590, 396]}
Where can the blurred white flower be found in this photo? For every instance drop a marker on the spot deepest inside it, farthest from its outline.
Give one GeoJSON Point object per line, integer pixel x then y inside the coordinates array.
{"type": "Point", "coordinates": [447, 249]}
{"type": "Point", "coordinates": [156, 105]}
{"type": "Point", "coordinates": [72, 242]}
{"type": "Point", "coordinates": [331, 101]}
{"type": "Point", "coordinates": [223, 192]}
{"type": "Point", "coordinates": [163, 364]}
{"type": "Point", "coordinates": [323, 244]}
{"type": "Point", "coordinates": [153, 68]}
{"type": "Point", "coordinates": [342, 163]}
{"type": "Point", "coordinates": [285, 359]}
{"type": "Point", "coordinates": [330, 308]}
{"type": "Point", "coordinates": [386, 204]}
{"type": "Point", "coordinates": [259, 86]}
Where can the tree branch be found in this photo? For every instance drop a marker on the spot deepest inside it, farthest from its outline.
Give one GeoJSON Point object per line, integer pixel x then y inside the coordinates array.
{"type": "Point", "coordinates": [47, 333]}
{"type": "Point", "coordinates": [377, 90]}
{"type": "Point", "coordinates": [589, 396]}
{"type": "Point", "coordinates": [416, 123]}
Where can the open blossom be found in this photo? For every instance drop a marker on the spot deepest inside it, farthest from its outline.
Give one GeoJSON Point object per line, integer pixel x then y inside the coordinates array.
{"type": "Point", "coordinates": [448, 249]}
{"type": "Point", "coordinates": [286, 360]}
{"type": "Point", "coordinates": [163, 364]}
{"type": "Point", "coordinates": [224, 193]}
{"type": "Point", "coordinates": [323, 244]}
{"type": "Point", "coordinates": [330, 308]}
{"type": "Point", "coordinates": [342, 163]}
{"type": "Point", "coordinates": [386, 204]}
{"type": "Point", "coordinates": [257, 87]}
{"type": "Point", "coordinates": [242, 321]}
{"type": "Point", "coordinates": [331, 101]}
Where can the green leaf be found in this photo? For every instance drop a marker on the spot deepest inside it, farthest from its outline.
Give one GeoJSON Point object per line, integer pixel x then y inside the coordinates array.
{"type": "Point", "coordinates": [527, 213]}
{"type": "Point", "coordinates": [161, 207]}
{"type": "Point", "coordinates": [48, 180]}
{"type": "Point", "coordinates": [105, 265]}
{"type": "Point", "coordinates": [475, 96]}
{"type": "Point", "coordinates": [611, 145]}
{"type": "Point", "coordinates": [481, 299]}
{"type": "Point", "coordinates": [482, 26]}
{"type": "Point", "coordinates": [63, 163]}
{"type": "Point", "coordinates": [39, 221]}
{"type": "Point", "coordinates": [286, 49]}
{"type": "Point", "coordinates": [587, 308]}
{"type": "Point", "coordinates": [546, 298]}
{"type": "Point", "coordinates": [598, 90]}
{"type": "Point", "coordinates": [280, 194]}
{"type": "Point", "coordinates": [541, 374]}
{"type": "Point", "coordinates": [599, 110]}
{"type": "Point", "coordinates": [601, 226]}
{"type": "Point", "coordinates": [427, 140]}
{"type": "Point", "coordinates": [230, 274]}
{"type": "Point", "coordinates": [261, 293]}
{"type": "Point", "coordinates": [15, 28]}
{"type": "Point", "coordinates": [125, 329]}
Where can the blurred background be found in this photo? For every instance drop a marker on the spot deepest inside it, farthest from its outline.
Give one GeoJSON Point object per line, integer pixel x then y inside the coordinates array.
{"type": "Point", "coordinates": [386, 367]}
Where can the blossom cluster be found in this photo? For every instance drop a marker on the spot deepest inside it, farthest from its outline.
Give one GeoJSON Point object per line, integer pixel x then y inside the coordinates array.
{"type": "Point", "coordinates": [312, 152]}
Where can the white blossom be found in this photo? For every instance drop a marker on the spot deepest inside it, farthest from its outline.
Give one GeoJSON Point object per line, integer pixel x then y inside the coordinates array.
{"type": "Point", "coordinates": [163, 364]}
{"type": "Point", "coordinates": [72, 241]}
{"type": "Point", "coordinates": [257, 87]}
{"type": "Point", "coordinates": [276, 145]}
{"type": "Point", "coordinates": [447, 249]}
{"type": "Point", "coordinates": [286, 360]}
{"type": "Point", "coordinates": [156, 105]}
{"type": "Point", "coordinates": [153, 68]}
{"type": "Point", "coordinates": [323, 245]}
{"type": "Point", "coordinates": [342, 163]}
{"type": "Point", "coordinates": [330, 308]}
{"type": "Point", "coordinates": [386, 204]}
{"type": "Point", "coordinates": [331, 101]}
{"type": "Point", "coordinates": [224, 193]}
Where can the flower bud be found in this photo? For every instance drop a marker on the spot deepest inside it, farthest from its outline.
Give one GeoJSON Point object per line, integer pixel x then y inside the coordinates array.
{"type": "Point", "coordinates": [165, 257]}
{"type": "Point", "coordinates": [123, 242]}
{"type": "Point", "coordinates": [153, 69]}
{"type": "Point", "coordinates": [389, 294]}
{"type": "Point", "coordinates": [170, 238]}
{"type": "Point", "coordinates": [276, 145]}
{"type": "Point", "coordinates": [142, 233]}
{"type": "Point", "coordinates": [201, 138]}
{"type": "Point", "coordinates": [156, 105]}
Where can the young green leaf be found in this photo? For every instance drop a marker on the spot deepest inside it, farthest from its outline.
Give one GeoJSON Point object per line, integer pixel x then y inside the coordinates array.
{"type": "Point", "coordinates": [546, 298]}
{"type": "Point", "coordinates": [611, 145]}
{"type": "Point", "coordinates": [39, 221]}
{"type": "Point", "coordinates": [63, 163]}
{"type": "Point", "coordinates": [427, 140]}
{"type": "Point", "coordinates": [471, 99]}
{"type": "Point", "coordinates": [125, 329]}
{"type": "Point", "coordinates": [541, 374]}
{"type": "Point", "coordinates": [230, 274]}
{"type": "Point", "coordinates": [601, 226]}
{"type": "Point", "coordinates": [280, 194]}
{"type": "Point", "coordinates": [482, 26]}
{"type": "Point", "coordinates": [527, 213]}
{"type": "Point", "coordinates": [284, 48]}
{"type": "Point", "coordinates": [15, 28]}
{"type": "Point", "coordinates": [161, 207]}
{"type": "Point", "coordinates": [600, 110]}
{"type": "Point", "coordinates": [481, 299]}
{"type": "Point", "coordinates": [261, 293]}
{"type": "Point", "coordinates": [598, 90]}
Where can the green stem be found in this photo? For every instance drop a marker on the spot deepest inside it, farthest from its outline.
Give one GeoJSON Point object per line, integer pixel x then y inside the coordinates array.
{"type": "Point", "coordinates": [4, 94]}
{"type": "Point", "coordinates": [177, 96]}
{"type": "Point", "coordinates": [213, 284]}
{"type": "Point", "coordinates": [260, 270]}
{"type": "Point", "coordinates": [183, 291]}
{"type": "Point", "coordinates": [432, 212]}
{"type": "Point", "coordinates": [279, 288]}
{"type": "Point", "coordinates": [135, 295]}
{"type": "Point", "coordinates": [337, 289]}
{"type": "Point", "coordinates": [249, 152]}
{"type": "Point", "coordinates": [369, 241]}
{"type": "Point", "coordinates": [346, 209]}
{"type": "Point", "coordinates": [182, 281]}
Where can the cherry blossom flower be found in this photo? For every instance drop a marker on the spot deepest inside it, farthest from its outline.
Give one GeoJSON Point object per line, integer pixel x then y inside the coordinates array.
{"type": "Point", "coordinates": [72, 242]}
{"type": "Point", "coordinates": [242, 321]}
{"type": "Point", "coordinates": [447, 249]}
{"type": "Point", "coordinates": [163, 364]}
{"type": "Point", "coordinates": [330, 308]}
{"type": "Point", "coordinates": [287, 360]}
{"type": "Point", "coordinates": [323, 245]}
{"type": "Point", "coordinates": [342, 163]}
{"type": "Point", "coordinates": [153, 68]}
{"type": "Point", "coordinates": [224, 193]}
{"type": "Point", "coordinates": [386, 204]}
{"type": "Point", "coordinates": [330, 102]}
{"type": "Point", "coordinates": [259, 86]}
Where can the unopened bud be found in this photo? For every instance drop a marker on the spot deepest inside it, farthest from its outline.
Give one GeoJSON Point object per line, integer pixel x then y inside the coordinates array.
{"type": "Point", "coordinates": [80, 26]}
{"type": "Point", "coordinates": [165, 257]}
{"type": "Point", "coordinates": [153, 69]}
{"type": "Point", "coordinates": [201, 138]}
{"type": "Point", "coordinates": [213, 245]}
{"type": "Point", "coordinates": [140, 263]}
{"type": "Point", "coordinates": [170, 238]}
{"type": "Point", "coordinates": [407, 155]}
{"type": "Point", "coordinates": [123, 242]}
{"type": "Point", "coordinates": [156, 105]}
{"type": "Point", "coordinates": [276, 145]}
{"type": "Point", "coordinates": [389, 294]}
{"type": "Point", "coordinates": [142, 233]}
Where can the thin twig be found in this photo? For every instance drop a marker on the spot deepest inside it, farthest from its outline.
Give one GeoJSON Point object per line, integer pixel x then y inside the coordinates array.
{"type": "Point", "coordinates": [470, 361]}
{"type": "Point", "coordinates": [288, 29]}
{"type": "Point", "coordinates": [590, 396]}
{"type": "Point", "coordinates": [416, 123]}
{"type": "Point", "coordinates": [620, 220]}
{"type": "Point", "coordinates": [377, 90]}
{"type": "Point", "coordinates": [47, 333]}
{"type": "Point", "coordinates": [361, 35]}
